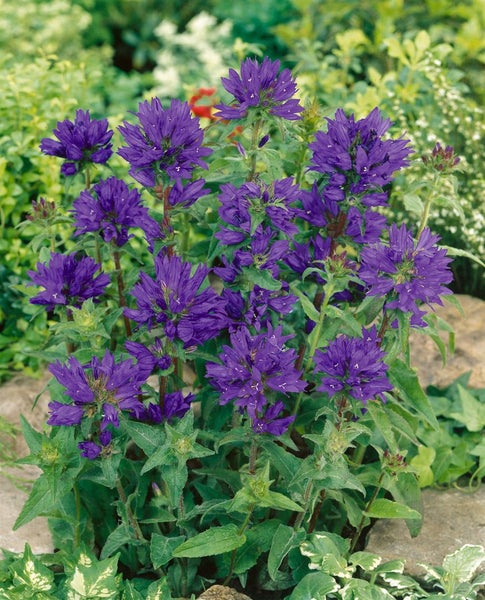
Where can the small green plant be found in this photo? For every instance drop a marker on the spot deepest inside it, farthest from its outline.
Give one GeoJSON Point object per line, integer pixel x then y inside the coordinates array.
{"type": "Point", "coordinates": [453, 454]}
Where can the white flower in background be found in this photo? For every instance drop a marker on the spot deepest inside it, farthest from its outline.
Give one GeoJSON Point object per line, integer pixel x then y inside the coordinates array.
{"type": "Point", "coordinates": [196, 57]}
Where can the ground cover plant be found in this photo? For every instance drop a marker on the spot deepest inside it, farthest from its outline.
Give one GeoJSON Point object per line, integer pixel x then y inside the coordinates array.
{"type": "Point", "coordinates": [231, 398]}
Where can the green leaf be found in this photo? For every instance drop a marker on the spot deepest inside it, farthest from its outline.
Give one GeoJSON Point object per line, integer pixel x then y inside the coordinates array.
{"type": "Point", "coordinates": [307, 305]}
{"type": "Point", "coordinates": [159, 590]}
{"type": "Point", "coordinates": [382, 421]}
{"type": "Point", "coordinates": [406, 382]}
{"type": "Point", "coordinates": [175, 477]}
{"type": "Point", "coordinates": [30, 572]}
{"type": "Point", "coordinates": [314, 586]}
{"type": "Point", "coordinates": [421, 463]}
{"type": "Point", "coordinates": [258, 541]}
{"type": "Point", "coordinates": [262, 278]}
{"type": "Point", "coordinates": [95, 579]}
{"type": "Point", "coordinates": [460, 566]}
{"type": "Point", "coordinates": [44, 497]}
{"type": "Point", "coordinates": [472, 413]}
{"type": "Point", "coordinates": [116, 539]}
{"type": "Point", "coordinates": [146, 437]}
{"type": "Point", "coordinates": [216, 540]}
{"type": "Point", "coordinates": [284, 540]}
{"type": "Point", "coordinates": [162, 547]}
{"type": "Point", "coordinates": [382, 508]}
{"type": "Point", "coordinates": [406, 490]}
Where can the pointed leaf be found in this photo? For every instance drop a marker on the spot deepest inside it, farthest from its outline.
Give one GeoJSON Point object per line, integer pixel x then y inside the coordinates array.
{"type": "Point", "coordinates": [161, 549]}
{"type": "Point", "coordinates": [314, 586]}
{"type": "Point", "coordinates": [284, 540]}
{"type": "Point", "coordinates": [406, 382]}
{"type": "Point", "coordinates": [217, 540]}
{"type": "Point", "coordinates": [382, 508]}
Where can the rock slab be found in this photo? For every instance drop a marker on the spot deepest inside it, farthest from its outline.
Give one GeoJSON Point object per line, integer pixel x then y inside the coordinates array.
{"type": "Point", "coordinates": [221, 592]}
{"type": "Point", "coordinates": [17, 397]}
{"type": "Point", "coordinates": [451, 519]}
{"type": "Point", "coordinates": [469, 355]}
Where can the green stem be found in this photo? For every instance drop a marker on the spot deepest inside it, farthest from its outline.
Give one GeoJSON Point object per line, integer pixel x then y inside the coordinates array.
{"type": "Point", "coordinates": [253, 455]}
{"type": "Point", "coordinates": [427, 207]}
{"type": "Point", "coordinates": [313, 347]}
{"type": "Point", "coordinates": [77, 527]}
{"type": "Point", "coordinates": [121, 290]}
{"type": "Point", "coordinates": [131, 517]}
{"type": "Point", "coordinates": [254, 148]}
{"type": "Point", "coordinates": [306, 503]}
{"type": "Point", "coordinates": [241, 530]}
{"type": "Point", "coordinates": [358, 531]}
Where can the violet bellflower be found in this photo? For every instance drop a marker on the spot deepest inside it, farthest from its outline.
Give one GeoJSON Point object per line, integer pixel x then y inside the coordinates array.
{"type": "Point", "coordinates": [98, 390]}
{"type": "Point", "coordinates": [167, 143]}
{"type": "Point", "coordinates": [175, 301]}
{"type": "Point", "coordinates": [68, 280]}
{"type": "Point", "coordinates": [353, 367]}
{"type": "Point", "coordinates": [407, 273]}
{"type": "Point", "coordinates": [263, 253]}
{"type": "Point", "coordinates": [357, 165]}
{"type": "Point", "coordinates": [356, 150]}
{"type": "Point", "coordinates": [149, 357]}
{"type": "Point", "coordinates": [252, 369]}
{"type": "Point", "coordinates": [80, 142]}
{"type": "Point", "coordinates": [243, 209]}
{"type": "Point", "coordinates": [111, 209]}
{"type": "Point", "coordinates": [257, 310]}
{"type": "Point", "coordinates": [175, 404]}
{"type": "Point", "coordinates": [260, 87]}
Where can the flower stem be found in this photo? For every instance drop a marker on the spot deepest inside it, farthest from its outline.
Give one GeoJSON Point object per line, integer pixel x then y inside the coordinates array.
{"type": "Point", "coordinates": [358, 531]}
{"type": "Point", "coordinates": [241, 530]}
{"type": "Point", "coordinates": [131, 517]}
{"type": "Point", "coordinates": [121, 290]}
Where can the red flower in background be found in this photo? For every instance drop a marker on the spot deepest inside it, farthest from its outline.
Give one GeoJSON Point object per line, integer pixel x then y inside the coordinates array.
{"type": "Point", "coordinates": [203, 110]}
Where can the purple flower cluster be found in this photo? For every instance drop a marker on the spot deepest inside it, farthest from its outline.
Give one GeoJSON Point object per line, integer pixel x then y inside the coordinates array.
{"type": "Point", "coordinates": [264, 252]}
{"type": "Point", "coordinates": [257, 309]}
{"type": "Point", "coordinates": [407, 273]}
{"type": "Point", "coordinates": [245, 208]}
{"type": "Point", "coordinates": [175, 404]}
{"type": "Point", "coordinates": [175, 301]}
{"type": "Point", "coordinates": [68, 281]}
{"type": "Point", "coordinates": [112, 209]}
{"type": "Point", "coordinates": [356, 164]}
{"type": "Point", "coordinates": [353, 367]}
{"type": "Point", "coordinates": [166, 144]}
{"type": "Point", "coordinates": [80, 142]}
{"type": "Point", "coordinates": [252, 369]}
{"type": "Point", "coordinates": [99, 391]}
{"type": "Point", "coordinates": [260, 86]}
{"type": "Point", "coordinates": [150, 357]}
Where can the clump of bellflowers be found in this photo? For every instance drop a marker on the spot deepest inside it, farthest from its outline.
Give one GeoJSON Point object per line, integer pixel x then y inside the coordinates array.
{"type": "Point", "coordinates": [355, 164]}
{"type": "Point", "coordinates": [244, 367]}
{"type": "Point", "coordinates": [68, 280]}
{"type": "Point", "coordinates": [253, 368]}
{"type": "Point", "coordinates": [111, 209]}
{"type": "Point", "coordinates": [263, 87]}
{"type": "Point", "coordinates": [97, 392]}
{"type": "Point", "coordinates": [167, 143]}
{"type": "Point", "coordinates": [80, 142]}
{"type": "Point", "coordinates": [408, 274]}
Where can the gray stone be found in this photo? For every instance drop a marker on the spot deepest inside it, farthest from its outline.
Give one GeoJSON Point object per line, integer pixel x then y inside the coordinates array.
{"type": "Point", "coordinates": [451, 519]}
{"type": "Point", "coordinates": [469, 352]}
{"type": "Point", "coordinates": [221, 592]}
{"type": "Point", "coordinates": [17, 397]}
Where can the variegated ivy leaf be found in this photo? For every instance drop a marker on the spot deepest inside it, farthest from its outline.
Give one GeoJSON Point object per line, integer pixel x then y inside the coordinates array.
{"type": "Point", "coordinates": [94, 579]}
{"type": "Point", "coordinates": [30, 572]}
